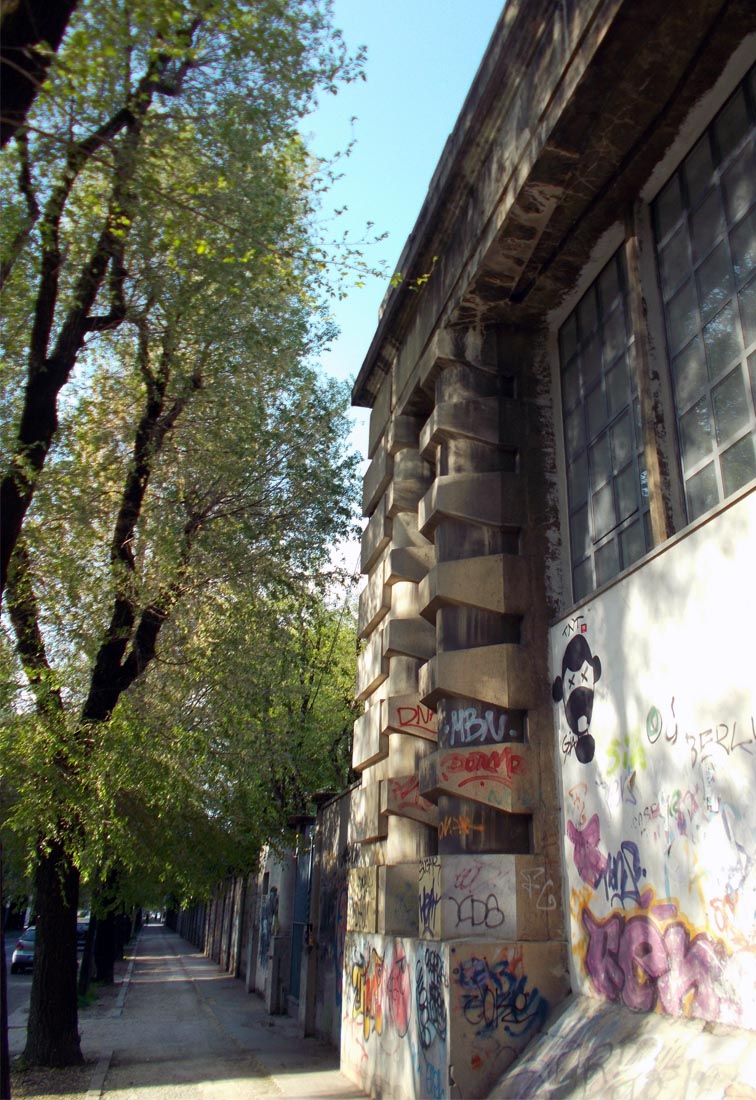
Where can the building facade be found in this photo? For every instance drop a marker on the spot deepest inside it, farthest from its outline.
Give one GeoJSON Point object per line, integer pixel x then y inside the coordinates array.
{"type": "Point", "coordinates": [558, 748]}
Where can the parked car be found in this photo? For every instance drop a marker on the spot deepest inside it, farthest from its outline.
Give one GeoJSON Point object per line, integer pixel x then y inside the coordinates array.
{"type": "Point", "coordinates": [23, 955]}
{"type": "Point", "coordinates": [82, 926]}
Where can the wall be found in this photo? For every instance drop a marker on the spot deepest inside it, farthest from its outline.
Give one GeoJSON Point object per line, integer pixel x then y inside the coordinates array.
{"type": "Point", "coordinates": [658, 777]}
{"type": "Point", "coordinates": [432, 1019]}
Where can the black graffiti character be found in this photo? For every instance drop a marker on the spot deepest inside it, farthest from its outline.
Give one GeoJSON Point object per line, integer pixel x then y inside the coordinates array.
{"type": "Point", "coordinates": [580, 671]}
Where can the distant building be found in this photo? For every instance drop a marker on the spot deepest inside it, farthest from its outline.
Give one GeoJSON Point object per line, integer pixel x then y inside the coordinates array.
{"type": "Point", "coordinates": [558, 750]}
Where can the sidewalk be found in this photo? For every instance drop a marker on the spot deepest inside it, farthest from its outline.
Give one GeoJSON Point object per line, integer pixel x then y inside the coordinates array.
{"type": "Point", "coordinates": [178, 1028]}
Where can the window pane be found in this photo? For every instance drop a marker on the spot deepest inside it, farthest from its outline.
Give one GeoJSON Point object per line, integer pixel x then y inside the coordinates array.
{"type": "Point", "coordinates": [732, 124]}
{"type": "Point", "coordinates": [616, 387]}
{"type": "Point", "coordinates": [587, 314]}
{"type": "Point", "coordinates": [707, 224]}
{"type": "Point", "coordinates": [698, 170]}
{"type": "Point", "coordinates": [743, 245]}
{"type": "Point", "coordinates": [739, 183]}
{"type": "Point", "coordinates": [632, 543]}
{"type": "Point", "coordinates": [577, 479]}
{"type": "Point", "coordinates": [695, 430]}
{"type": "Point", "coordinates": [571, 385]}
{"type": "Point", "coordinates": [622, 441]}
{"type": "Point", "coordinates": [731, 412]}
{"type": "Point", "coordinates": [689, 371]}
{"type": "Point", "coordinates": [682, 316]}
{"type": "Point", "coordinates": [568, 338]}
{"type": "Point", "coordinates": [739, 464]}
{"type": "Point", "coordinates": [627, 493]}
{"type": "Point", "coordinates": [675, 261]}
{"type": "Point", "coordinates": [596, 409]}
{"type": "Point", "coordinates": [609, 287]}
{"type": "Point", "coordinates": [747, 298]}
{"type": "Point", "coordinates": [601, 462]}
{"type": "Point", "coordinates": [607, 562]}
{"type": "Point", "coordinates": [667, 208]}
{"type": "Point", "coordinates": [614, 336]}
{"type": "Point", "coordinates": [604, 518]}
{"type": "Point", "coordinates": [590, 361]}
{"type": "Point", "coordinates": [722, 341]}
{"type": "Point", "coordinates": [701, 492]}
{"type": "Point", "coordinates": [574, 432]}
{"type": "Point", "coordinates": [581, 543]}
{"type": "Point", "coordinates": [714, 281]}
{"type": "Point", "coordinates": [582, 579]}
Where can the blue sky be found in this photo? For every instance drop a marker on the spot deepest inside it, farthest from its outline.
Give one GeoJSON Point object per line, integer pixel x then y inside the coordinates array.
{"type": "Point", "coordinates": [422, 58]}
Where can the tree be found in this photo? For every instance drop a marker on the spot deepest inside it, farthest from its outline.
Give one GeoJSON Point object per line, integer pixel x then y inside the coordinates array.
{"type": "Point", "coordinates": [162, 282]}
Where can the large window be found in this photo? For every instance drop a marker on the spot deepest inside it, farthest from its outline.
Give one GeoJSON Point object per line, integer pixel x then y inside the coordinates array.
{"type": "Point", "coordinates": [704, 223]}
{"type": "Point", "coordinates": [608, 498]}
{"type": "Point", "coordinates": [705, 226]}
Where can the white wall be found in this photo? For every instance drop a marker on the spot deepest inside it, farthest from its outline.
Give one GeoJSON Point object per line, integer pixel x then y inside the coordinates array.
{"type": "Point", "coordinates": [659, 819]}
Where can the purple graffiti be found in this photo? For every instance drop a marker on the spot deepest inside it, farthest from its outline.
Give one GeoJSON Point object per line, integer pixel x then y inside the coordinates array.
{"type": "Point", "coordinates": [629, 959]}
{"type": "Point", "coordinates": [493, 997]}
{"type": "Point", "coordinates": [590, 862]}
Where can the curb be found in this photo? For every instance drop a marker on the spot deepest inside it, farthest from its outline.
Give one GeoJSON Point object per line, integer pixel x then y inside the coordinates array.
{"type": "Point", "coordinates": [100, 1072]}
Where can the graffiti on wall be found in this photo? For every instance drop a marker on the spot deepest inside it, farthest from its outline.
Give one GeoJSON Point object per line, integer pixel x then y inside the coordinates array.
{"type": "Point", "coordinates": [495, 996]}
{"type": "Point", "coordinates": [659, 814]}
{"type": "Point", "coordinates": [430, 984]}
{"type": "Point", "coordinates": [429, 897]}
{"type": "Point", "coordinates": [474, 725]}
{"type": "Point", "coordinates": [575, 689]}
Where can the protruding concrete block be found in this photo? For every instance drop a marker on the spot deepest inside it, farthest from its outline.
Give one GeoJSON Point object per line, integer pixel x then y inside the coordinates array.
{"type": "Point", "coordinates": [486, 420]}
{"type": "Point", "coordinates": [362, 905]}
{"type": "Point", "coordinates": [496, 775]}
{"type": "Point", "coordinates": [412, 477]}
{"type": "Point", "coordinates": [429, 893]}
{"type": "Point", "coordinates": [401, 796]}
{"type": "Point", "coordinates": [410, 638]}
{"type": "Point", "coordinates": [495, 500]}
{"type": "Point", "coordinates": [376, 480]}
{"type": "Point", "coordinates": [406, 714]}
{"type": "Point", "coordinates": [409, 563]}
{"type": "Point", "coordinates": [375, 538]}
{"type": "Point", "coordinates": [366, 822]}
{"type": "Point", "coordinates": [375, 600]}
{"type": "Point", "coordinates": [498, 674]}
{"type": "Point", "coordinates": [369, 744]}
{"type": "Point", "coordinates": [403, 432]}
{"type": "Point", "coordinates": [379, 415]}
{"type": "Point", "coordinates": [372, 666]}
{"type": "Point", "coordinates": [498, 583]}
{"type": "Point", "coordinates": [397, 899]}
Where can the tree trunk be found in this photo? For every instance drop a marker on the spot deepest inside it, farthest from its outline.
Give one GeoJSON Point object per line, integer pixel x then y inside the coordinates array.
{"type": "Point", "coordinates": [105, 949]}
{"type": "Point", "coordinates": [53, 1035]}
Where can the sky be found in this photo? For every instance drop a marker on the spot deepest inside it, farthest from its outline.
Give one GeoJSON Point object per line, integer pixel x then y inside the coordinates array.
{"type": "Point", "coordinates": [422, 56]}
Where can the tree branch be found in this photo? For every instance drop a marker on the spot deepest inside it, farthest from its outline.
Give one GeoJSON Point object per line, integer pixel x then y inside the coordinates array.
{"type": "Point", "coordinates": [23, 610]}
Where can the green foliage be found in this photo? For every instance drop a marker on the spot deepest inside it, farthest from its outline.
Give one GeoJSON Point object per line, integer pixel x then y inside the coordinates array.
{"type": "Point", "coordinates": [172, 681]}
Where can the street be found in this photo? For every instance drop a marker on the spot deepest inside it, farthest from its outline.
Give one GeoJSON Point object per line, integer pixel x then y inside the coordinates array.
{"type": "Point", "coordinates": [19, 985]}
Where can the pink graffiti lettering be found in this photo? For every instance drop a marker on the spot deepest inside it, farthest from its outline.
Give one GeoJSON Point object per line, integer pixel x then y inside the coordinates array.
{"type": "Point", "coordinates": [419, 717]}
{"type": "Point", "coordinates": [631, 960]}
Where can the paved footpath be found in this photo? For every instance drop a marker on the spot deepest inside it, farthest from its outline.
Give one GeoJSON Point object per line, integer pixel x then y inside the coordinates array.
{"type": "Point", "coordinates": [181, 1029]}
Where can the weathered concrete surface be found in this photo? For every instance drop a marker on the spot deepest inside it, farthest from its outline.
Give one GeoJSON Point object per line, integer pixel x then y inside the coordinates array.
{"type": "Point", "coordinates": [595, 1051]}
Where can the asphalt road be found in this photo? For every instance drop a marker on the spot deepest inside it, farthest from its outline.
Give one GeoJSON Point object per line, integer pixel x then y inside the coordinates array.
{"type": "Point", "coordinates": [19, 985]}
